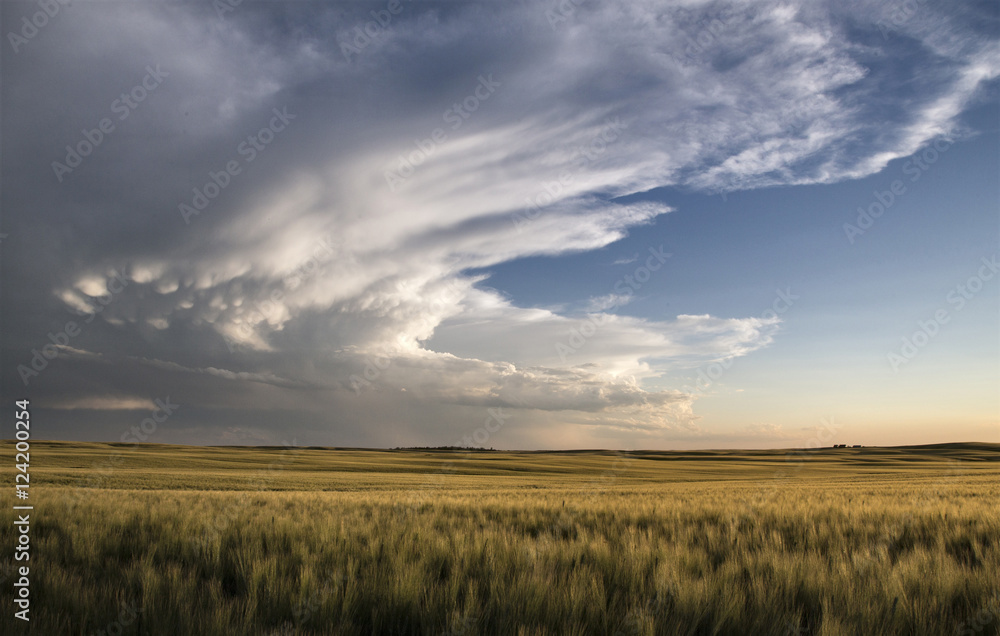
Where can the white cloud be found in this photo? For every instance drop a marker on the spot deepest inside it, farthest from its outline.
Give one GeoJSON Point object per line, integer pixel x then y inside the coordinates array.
{"type": "Point", "coordinates": [103, 403]}
{"type": "Point", "coordinates": [608, 301]}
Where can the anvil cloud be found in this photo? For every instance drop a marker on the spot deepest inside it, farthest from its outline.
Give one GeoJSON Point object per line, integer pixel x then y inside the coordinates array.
{"type": "Point", "coordinates": [319, 272]}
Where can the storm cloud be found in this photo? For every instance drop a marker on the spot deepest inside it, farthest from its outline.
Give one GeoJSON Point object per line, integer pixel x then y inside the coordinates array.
{"type": "Point", "coordinates": [278, 214]}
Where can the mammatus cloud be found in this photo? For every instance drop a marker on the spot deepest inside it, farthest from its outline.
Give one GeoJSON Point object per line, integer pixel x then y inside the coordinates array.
{"type": "Point", "coordinates": [279, 214]}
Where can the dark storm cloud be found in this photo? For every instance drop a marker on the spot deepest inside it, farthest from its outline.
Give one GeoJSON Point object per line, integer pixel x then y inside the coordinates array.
{"type": "Point", "coordinates": [280, 201]}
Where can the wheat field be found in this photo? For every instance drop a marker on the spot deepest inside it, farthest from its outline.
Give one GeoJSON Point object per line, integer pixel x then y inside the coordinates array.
{"type": "Point", "coordinates": [154, 539]}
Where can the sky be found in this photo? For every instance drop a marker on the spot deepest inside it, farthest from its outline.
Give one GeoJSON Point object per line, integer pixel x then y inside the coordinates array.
{"type": "Point", "coordinates": [518, 225]}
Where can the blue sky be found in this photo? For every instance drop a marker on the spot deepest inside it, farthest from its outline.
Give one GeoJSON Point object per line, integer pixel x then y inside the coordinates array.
{"type": "Point", "coordinates": [513, 225]}
{"type": "Point", "coordinates": [855, 300]}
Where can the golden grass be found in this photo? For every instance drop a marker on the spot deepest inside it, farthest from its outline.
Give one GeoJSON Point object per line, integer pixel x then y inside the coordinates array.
{"type": "Point", "coordinates": [184, 540]}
